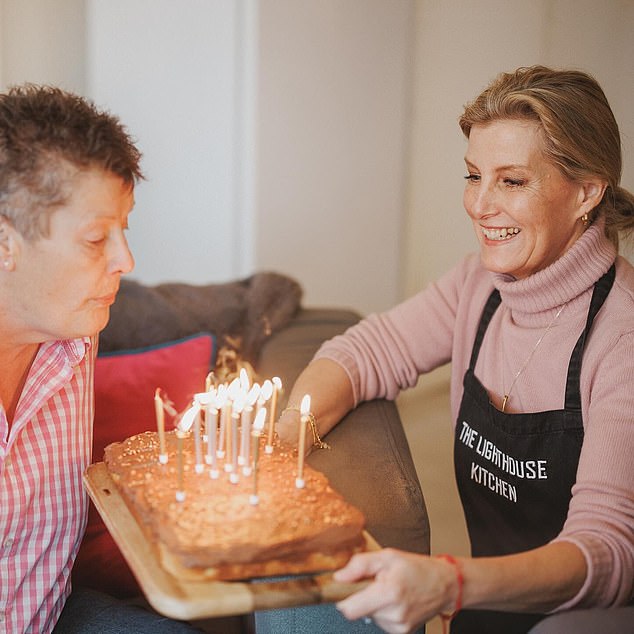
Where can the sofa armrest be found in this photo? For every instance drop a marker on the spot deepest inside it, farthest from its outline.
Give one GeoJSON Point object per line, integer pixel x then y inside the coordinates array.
{"type": "Point", "coordinates": [370, 462]}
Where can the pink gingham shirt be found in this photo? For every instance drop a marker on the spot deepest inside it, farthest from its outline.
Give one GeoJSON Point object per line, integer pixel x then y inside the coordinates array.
{"type": "Point", "coordinates": [43, 507]}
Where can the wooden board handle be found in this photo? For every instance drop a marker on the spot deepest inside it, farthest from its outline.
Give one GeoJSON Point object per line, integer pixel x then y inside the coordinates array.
{"type": "Point", "coordinates": [302, 591]}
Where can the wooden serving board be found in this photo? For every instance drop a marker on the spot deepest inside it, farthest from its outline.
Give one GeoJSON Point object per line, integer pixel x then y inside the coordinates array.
{"type": "Point", "coordinates": [185, 600]}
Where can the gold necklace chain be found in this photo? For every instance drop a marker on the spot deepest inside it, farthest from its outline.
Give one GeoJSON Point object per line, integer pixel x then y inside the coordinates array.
{"type": "Point", "coordinates": [530, 356]}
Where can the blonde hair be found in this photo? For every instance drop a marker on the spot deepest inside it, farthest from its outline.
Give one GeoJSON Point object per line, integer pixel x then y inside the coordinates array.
{"type": "Point", "coordinates": [580, 134]}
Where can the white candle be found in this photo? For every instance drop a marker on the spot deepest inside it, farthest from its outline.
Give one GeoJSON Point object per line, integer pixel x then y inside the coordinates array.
{"type": "Point", "coordinates": [198, 444]}
{"type": "Point", "coordinates": [211, 423]}
{"type": "Point", "coordinates": [200, 400]}
{"type": "Point", "coordinates": [245, 429]}
{"type": "Point", "coordinates": [203, 399]}
{"type": "Point", "coordinates": [160, 424]}
{"type": "Point", "coordinates": [233, 393]}
{"type": "Point", "coordinates": [191, 418]}
{"type": "Point", "coordinates": [180, 491]}
{"type": "Point", "coordinates": [304, 409]}
{"type": "Point", "coordinates": [258, 425]}
{"type": "Point", "coordinates": [277, 387]}
{"type": "Point", "coordinates": [224, 405]}
{"type": "Point", "coordinates": [236, 412]}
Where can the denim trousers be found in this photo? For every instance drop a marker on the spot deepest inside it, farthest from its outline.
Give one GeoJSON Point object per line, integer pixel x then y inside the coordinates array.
{"type": "Point", "coordinates": [91, 612]}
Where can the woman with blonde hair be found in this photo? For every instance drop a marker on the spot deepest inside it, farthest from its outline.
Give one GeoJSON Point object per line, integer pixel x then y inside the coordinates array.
{"type": "Point", "coordinates": [539, 329]}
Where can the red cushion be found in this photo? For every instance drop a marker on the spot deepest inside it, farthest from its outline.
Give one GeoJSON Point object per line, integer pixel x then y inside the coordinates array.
{"type": "Point", "coordinates": [124, 405]}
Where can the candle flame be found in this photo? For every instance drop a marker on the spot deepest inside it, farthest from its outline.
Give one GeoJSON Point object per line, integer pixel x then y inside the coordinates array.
{"type": "Point", "coordinates": [258, 423]}
{"type": "Point", "coordinates": [203, 398]}
{"type": "Point", "coordinates": [160, 396]}
{"type": "Point", "coordinates": [244, 380]}
{"type": "Point", "coordinates": [188, 418]}
{"type": "Point", "coordinates": [267, 390]}
{"type": "Point", "coordinates": [221, 398]}
{"type": "Point", "coordinates": [253, 394]}
{"type": "Point", "coordinates": [277, 382]}
{"type": "Point", "coordinates": [304, 408]}
{"type": "Point", "coordinates": [210, 380]}
{"type": "Point", "coordinates": [239, 403]}
{"type": "Point", "coordinates": [234, 389]}
{"type": "Point", "coordinates": [213, 396]}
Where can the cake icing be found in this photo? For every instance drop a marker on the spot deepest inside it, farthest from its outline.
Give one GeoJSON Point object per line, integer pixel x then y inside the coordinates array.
{"type": "Point", "coordinates": [215, 531]}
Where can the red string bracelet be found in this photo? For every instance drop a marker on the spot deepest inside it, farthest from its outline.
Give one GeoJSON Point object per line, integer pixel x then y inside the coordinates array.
{"type": "Point", "coordinates": [446, 618]}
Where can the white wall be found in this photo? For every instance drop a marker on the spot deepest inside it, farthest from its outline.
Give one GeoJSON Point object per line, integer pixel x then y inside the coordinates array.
{"type": "Point", "coordinates": [171, 71]}
{"type": "Point", "coordinates": [317, 138]}
{"type": "Point", "coordinates": [42, 42]}
{"type": "Point", "coordinates": [333, 115]}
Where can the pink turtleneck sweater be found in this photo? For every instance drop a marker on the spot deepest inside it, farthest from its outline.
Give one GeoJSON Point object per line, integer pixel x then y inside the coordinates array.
{"type": "Point", "coordinates": [386, 353]}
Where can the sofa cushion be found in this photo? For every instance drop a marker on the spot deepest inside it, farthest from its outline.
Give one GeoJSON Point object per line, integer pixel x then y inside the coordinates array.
{"type": "Point", "coordinates": [243, 314]}
{"type": "Point", "coordinates": [125, 382]}
{"type": "Point", "coordinates": [124, 405]}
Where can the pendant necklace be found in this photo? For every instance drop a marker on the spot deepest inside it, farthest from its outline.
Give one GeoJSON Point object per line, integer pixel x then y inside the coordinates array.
{"type": "Point", "coordinates": [530, 356]}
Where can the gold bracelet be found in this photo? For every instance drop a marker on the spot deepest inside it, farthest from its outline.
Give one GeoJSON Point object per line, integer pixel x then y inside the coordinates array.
{"type": "Point", "coordinates": [317, 441]}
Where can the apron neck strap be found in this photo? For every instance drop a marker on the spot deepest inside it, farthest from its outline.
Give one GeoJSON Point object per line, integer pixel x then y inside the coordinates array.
{"type": "Point", "coordinates": [573, 383]}
{"type": "Point", "coordinates": [489, 308]}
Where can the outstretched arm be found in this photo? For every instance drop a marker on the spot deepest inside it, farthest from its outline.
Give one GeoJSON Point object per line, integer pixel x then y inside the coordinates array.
{"type": "Point", "coordinates": [331, 399]}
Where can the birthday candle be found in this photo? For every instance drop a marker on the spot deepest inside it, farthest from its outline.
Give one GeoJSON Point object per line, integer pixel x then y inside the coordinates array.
{"type": "Point", "coordinates": [199, 400]}
{"type": "Point", "coordinates": [224, 404]}
{"type": "Point", "coordinates": [180, 491]}
{"type": "Point", "coordinates": [303, 421]}
{"type": "Point", "coordinates": [211, 423]}
{"type": "Point", "coordinates": [245, 385]}
{"type": "Point", "coordinates": [233, 393]}
{"type": "Point", "coordinates": [160, 424]}
{"type": "Point", "coordinates": [277, 387]}
{"type": "Point", "coordinates": [245, 429]}
{"type": "Point", "coordinates": [258, 425]}
{"type": "Point", "coordinates": [198, 445]}
{"type": "Point", "coordinates": [190, 418]}
{"type": "Point", "coordinates": [236, 412]}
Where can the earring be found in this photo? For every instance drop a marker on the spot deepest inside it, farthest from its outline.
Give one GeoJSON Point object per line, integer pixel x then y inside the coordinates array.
{"type": "Point", "coordinates": [584, 219]}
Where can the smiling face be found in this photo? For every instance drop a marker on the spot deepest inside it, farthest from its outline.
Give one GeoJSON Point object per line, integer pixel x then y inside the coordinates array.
{"type": "Point", "coordinates": [525, 213]}
{"type": "Point", "coordinates": [65, 283]}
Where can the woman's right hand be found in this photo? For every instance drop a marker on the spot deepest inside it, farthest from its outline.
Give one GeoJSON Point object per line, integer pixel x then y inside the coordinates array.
{"type": "Point", "coordinates": [407, 589]}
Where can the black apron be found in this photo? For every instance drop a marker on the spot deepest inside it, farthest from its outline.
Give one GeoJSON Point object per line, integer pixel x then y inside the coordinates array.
{"type": "Point", "coordinates": [515, 471]}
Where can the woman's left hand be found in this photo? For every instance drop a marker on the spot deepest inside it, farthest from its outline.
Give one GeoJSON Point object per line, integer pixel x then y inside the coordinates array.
{"type": "Point", "coordinates": [408, 589]}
